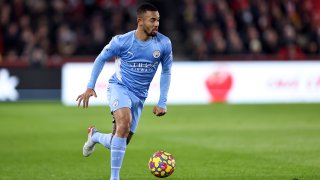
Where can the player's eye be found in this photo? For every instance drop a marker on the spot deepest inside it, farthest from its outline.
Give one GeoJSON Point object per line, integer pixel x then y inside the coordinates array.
{"type": "Point", "coordinates": [154, 20]}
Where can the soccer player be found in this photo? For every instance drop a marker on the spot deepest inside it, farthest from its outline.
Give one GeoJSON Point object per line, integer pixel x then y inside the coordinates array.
{"type": "Point", "coordinates": [138, 54]}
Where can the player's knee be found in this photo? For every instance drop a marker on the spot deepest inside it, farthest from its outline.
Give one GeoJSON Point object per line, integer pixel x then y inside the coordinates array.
{"type": "Point", "coordinates": [123, 129]}
{"type": "Point", "coordinates": [123, 114]}
{"type": "Point", "coordinates": [123, 122]}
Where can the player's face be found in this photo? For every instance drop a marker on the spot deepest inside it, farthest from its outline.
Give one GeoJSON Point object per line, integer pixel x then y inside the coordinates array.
{"type": "Point", "coordinates": [150, 22]}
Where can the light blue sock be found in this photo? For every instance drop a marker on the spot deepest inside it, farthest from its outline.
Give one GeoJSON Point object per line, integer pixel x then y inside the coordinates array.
{"type": "Point", "coordinates": [118, 149]}
{"type": "Point", "coordinates": [102, 138]}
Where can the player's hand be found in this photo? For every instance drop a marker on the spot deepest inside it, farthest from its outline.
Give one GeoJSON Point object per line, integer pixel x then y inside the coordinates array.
{"type": "Point", "coordinates": [84, 97]}
{"type": "Point", "coordinates": [158, 111]}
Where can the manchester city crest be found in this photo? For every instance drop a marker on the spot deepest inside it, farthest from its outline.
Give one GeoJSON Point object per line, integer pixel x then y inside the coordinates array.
{"type": "Point", "coordinates": [156, 54]}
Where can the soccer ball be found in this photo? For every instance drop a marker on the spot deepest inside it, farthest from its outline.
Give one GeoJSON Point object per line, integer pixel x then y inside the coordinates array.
{"type": "Point", "coordinates": [162, 164]}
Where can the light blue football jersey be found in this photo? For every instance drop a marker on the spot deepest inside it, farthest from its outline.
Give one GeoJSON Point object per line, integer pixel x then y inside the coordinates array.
{"type": "Point", "coordinates": [136, 63]}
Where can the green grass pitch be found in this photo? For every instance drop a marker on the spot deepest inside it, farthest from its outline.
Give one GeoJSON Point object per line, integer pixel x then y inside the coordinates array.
{"type": "Point", "coordinates": [43, 140]}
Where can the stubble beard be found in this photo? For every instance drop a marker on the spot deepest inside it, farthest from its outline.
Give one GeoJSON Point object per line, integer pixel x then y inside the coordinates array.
{"type": "Point", "coordinates": [151, 34]}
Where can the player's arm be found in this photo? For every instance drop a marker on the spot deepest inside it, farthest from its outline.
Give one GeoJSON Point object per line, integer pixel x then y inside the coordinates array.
{"type": "Point", "coordinates": [105, 55]}
{"type": "Point", "coordinates": [165, 79]}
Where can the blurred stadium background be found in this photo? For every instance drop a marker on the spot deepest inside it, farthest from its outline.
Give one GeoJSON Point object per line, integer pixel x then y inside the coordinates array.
{"type": "Point", "coordinates": [48, 33]}
{"type": "Point", "coordinates": [38, 37]}
{"type": "Point", "coordinates": [245, 92]}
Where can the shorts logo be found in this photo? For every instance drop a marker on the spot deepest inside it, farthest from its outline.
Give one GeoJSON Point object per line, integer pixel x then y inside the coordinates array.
{"type": "Point", "coordinates": [156, 54]}
{"type": "Point", "coordinates": [115, 103]}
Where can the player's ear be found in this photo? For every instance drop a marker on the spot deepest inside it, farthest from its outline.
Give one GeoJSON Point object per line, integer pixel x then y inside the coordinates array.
{"type": "Point", "coordinates": [139, 21]}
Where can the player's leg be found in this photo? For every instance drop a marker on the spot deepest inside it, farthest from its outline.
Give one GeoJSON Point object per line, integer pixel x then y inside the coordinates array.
{"type": "Point", "coordinates": [114, 127]}
{"type": "Point", "coordinates": [102, 138]}
{"type": "Point", "coordinates": [95, 137]}
{"type": "Point", "coordinates": [105, 139]}
{"type": "Point", "coordinates": [119, 141]}
{"type": "Point", "coordinates": [136, 109]}
{"type": "Point", "coordinates": [126, 122]}
{"type": "Point", "coordinates": [120, 104]}
{"type": "Point", "coordinates": [117, 98]}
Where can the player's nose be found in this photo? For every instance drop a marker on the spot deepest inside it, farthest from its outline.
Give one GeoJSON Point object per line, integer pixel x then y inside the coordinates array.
{"type": "Point", "coordinates": [156, 23]}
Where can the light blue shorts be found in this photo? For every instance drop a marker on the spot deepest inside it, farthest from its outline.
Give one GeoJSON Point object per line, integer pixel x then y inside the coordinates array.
{"type": "Point", "coordinates": [119, 97]}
